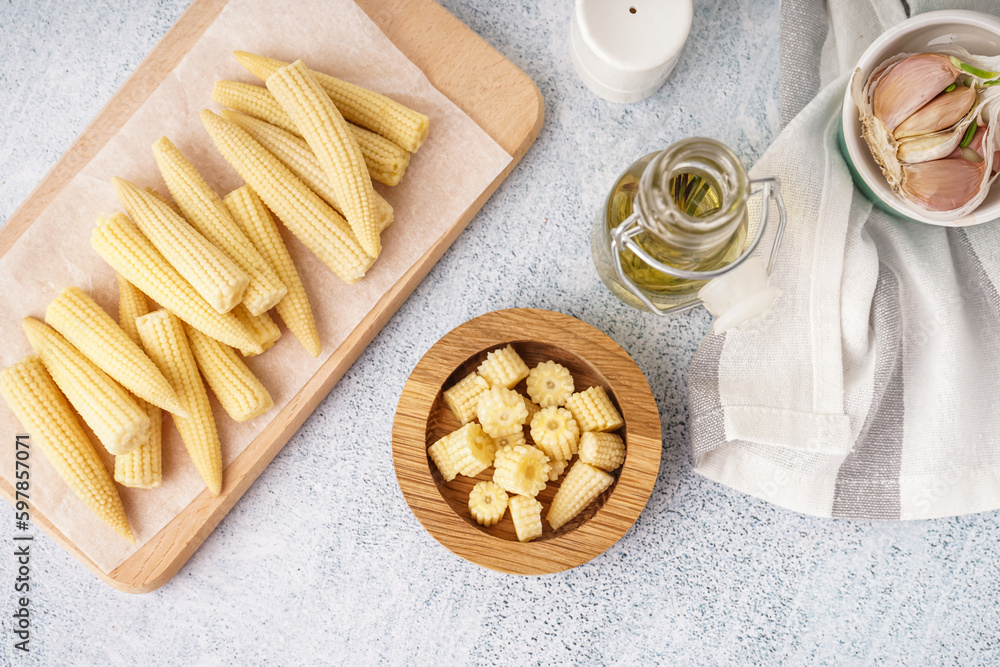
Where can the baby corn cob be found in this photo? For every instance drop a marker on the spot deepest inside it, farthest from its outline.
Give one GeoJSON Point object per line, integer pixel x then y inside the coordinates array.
{"type": "Point", "coordinates": [142, 467]}
{"type": "Point", "coordinates": [116, 420]}
{"type": "Point", "coordinates": [123, 246]}
{"type": "Point", "coordinates": [261, 327]}
{"type": "Point", "coordinates": [163, 336]}
{"type": "Point", "coordinates": [43, 411]}
{"type": "Point", "coordinates": [163, 198]}
{"type": "Point", "coordinates": [295, 154]}
{"type": "Point", "coordinates": [361, 106]}
{"type": "Point", "coordinates": [582, 485]}
{"type": "Point", "coordinates": [325, 130]}
{"type": "Point", "coordinates": [386, 161]}
{"type": "Point", "coordinates": [241, 394]}
{"type": "Point", "coordinates": [317, 225]}
{"type": "Point", "coordinates": [204, 209]}
{"type": "Point", "coordinates": [85, 324]}
{"type": "Point", "coordinates": [251, 214]}
{"type": "Point", "coordinates": [216, 277]}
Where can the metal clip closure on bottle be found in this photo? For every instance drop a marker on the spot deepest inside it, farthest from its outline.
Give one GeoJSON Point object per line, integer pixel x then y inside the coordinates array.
{"type": "Point", "coordinates": [672, 235]}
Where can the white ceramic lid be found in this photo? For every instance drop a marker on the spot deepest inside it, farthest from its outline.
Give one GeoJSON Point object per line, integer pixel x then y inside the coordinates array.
{"type": "Point", "coordinates": [625, 49]}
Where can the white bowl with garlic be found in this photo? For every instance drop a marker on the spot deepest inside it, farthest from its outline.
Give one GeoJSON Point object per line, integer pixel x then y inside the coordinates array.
{"type": "Point", "coordinates": [921, 119]}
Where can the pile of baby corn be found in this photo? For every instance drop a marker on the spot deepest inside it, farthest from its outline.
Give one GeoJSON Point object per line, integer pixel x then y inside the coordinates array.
{"type": "Point", "coordinates": [308, 146]}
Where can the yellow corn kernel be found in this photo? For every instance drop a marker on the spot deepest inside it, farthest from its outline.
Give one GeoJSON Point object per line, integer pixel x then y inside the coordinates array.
{"type": "Point", "coordinates": [319, 227]}
{"type": "Point", "coordinates": [261, 327]}
{"type": "Point", "coordinates": [602, 450]}
{"type": "Point", "coordinates": [251, 214]}
{"type": "Point", "coordinates": [463, 398]}
{"type": "Point", "coordinates": [141, 468]}
{"type": "Point", "coordinates": [295, 154]}
{"type": "Point", "coordinates": [549, 384]}
{"type": "Point", "coordinates": [239, 391]}
{"type": "Point", "coordinates": [443, 459]}
{"type": "Point", "coordinates": [582, 485]}
{"type": "Point", "coordinates": [163, 336]}
{"type": "Point", "coordinates": [92, 331]}
{"type": "Point", "coordinates": [122, 245]}
{"type": "Point", "coordinates": [325, 130]}
{"type": "Point", "coordinates": [206, 213]}
{"type": "Point", "coordinates": [527, 515]}
{"type": "Point", "coordinates": [163, 198]}
{"type": "Point", "coordinates": [378, 113]}
{"type": "Point", "coordinates": [208, 269]}
{"type": "Point", "coordinates": [386, 161]}
{"type": "Point", "coordinates": [116, 420]}
{"type": "Point", "coordinates": [487, 503]}
{"type": "Point", "coordinates": [469, 449]}
{"type": "Point", "coordinates": [501, 411]}
{"type": "Point", "coordinates": [503, 367]}
{"type": "Point", "coordinates": [521, 469]}
{"type": "Point", "coordinates": [594, 411]}
{"type": "Point", "coordinates": [43, 411]}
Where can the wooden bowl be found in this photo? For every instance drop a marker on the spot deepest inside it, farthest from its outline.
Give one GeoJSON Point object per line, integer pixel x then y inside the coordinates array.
{"type": "Point", "coordinates": [422, 418]}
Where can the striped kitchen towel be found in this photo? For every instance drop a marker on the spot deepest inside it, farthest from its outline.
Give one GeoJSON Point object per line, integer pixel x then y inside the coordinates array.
{"type": "Point", "coordinates": [873, 389]}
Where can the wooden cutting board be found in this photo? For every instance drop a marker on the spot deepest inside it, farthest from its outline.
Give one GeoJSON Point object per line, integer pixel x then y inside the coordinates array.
{"type": "Point", "coordinates": [490, 89]}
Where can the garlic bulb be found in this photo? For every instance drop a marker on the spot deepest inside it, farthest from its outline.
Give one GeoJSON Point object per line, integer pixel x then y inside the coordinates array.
{"type": "Point", "coordinates": [932, 122]}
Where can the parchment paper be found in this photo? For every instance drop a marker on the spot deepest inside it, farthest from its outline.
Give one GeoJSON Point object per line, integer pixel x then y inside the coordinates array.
{"type": "Point", "coordinates": [456, 163]}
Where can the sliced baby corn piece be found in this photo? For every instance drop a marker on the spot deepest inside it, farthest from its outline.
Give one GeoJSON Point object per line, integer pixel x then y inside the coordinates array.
{"type": "Point", "coordinates": [325, 130]}
{"type": "Point", "coordinates": [92, 331]}
{"type": "Point", "coordinates": [295, 154]}
{"type": "Point", "coordinates": [443, 459]}
{"type": "Point", "coordinates": [142, 467]}
{"type": "Point", "coordinates": [558, 468]}
{"type": "Point", "coordinates": [117, 421]}
{"type": "Point", "coordinates": [555, 432]}
{"type": "Point", "coordinates": [521, 469]}
{"type": "Point", "coordinates": [361, 106]}
{"type": "Point", "coordinates": [239, 391]}
{"type": "Point", "coordinates": [163, 336]}
{"type": "Point", "coordinates": [43, 411]}
{"type": "Point", "coordinates": [386, 161]}
{"type": "Point", "coordinates": [501, 411]}
{"type": "Point", "coordinates": [487, 503]}
{"type": "Point", "coordinates": [469, 449]}
{"type": "Point", "coordinates": [261, 327]}
{"type": "Point", "coordinates": [527, 515]}
{"type": "Point", "coordinates": [254, 218]}
{"type": "Point", "coordinates": [602, 450]}
{"type": "Point", "coordinates": [511, 440]}
{"type": "Point", "coordinates": [206, 213]}
{"type": "Point", "coordinates": [214, 275]}
{"type": "Point", "coordinates": [594, 411]}
{"type": "Point", "coordinates": [503, 367]}
{"type": "Point", "coordinates": [463, 398]}
{"type": "Point", "coordinates": [583, 483]}
{"type": "Point", "coordinates": [532, 407]}
{"type": "Point", "coordinates": [313, 222]}
{"type": "Point", "coordinates": [549, 384]}
{"type": "Point", "coordinates": [122, 245]}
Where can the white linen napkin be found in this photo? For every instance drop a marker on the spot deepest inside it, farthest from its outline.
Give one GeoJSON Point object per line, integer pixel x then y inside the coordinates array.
{"type": "Point", "coordinates": [873, 389]}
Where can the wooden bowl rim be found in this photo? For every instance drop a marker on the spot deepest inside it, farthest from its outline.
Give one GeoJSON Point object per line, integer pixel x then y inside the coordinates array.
{"type": "Point", "coordinates": [611, 522]}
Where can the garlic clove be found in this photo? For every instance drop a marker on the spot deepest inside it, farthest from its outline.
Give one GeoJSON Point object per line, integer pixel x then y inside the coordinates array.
{"type": "Point", "coordinates": [928, 147]}
{"type": "Point", "coordinates": [910, 84]}
{"type": "Point", "coordinates": [941, 112]}
{"type": "Point", "coordinates": [943, 185]}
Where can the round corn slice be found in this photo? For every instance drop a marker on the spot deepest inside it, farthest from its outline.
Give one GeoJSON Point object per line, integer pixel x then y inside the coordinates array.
{"type": "Point", "coordinates": [501, 412]}
{"type": "Point", "coordinates": [522, 470]}
{"type": "Point", "coordinates": [527, 515]}
{"type": "Point", "coordinates": [532, 407]}
{"type": "Point", "coordinates": [505, 441]}
{"type": "Point", "coordinates": [469, 450]}
{"type": "Point", "coordinates": [550, 384]}
{"type": "Point", "coordinates": [593, 410]}
{"type": "Point", "coordinates": [602, 450]}
{"type": "Point", "coordinates": [556, 433]}
{"type": "Point", "coordinates": [558, 468]}
{"type": "Point", "coordinates": [463, 397]}
{"type": "Point", "coordinates": [487, 502]}
{"type": "Point", "coordinates": [503, 367]}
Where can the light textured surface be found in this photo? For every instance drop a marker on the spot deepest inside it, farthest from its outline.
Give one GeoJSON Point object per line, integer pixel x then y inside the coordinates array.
{"type": "Point", "coordinates": [317, 566]}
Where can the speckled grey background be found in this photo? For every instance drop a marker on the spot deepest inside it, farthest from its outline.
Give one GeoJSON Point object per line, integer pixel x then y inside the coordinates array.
{"type": "Point", "coordinates": [322, 561]}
